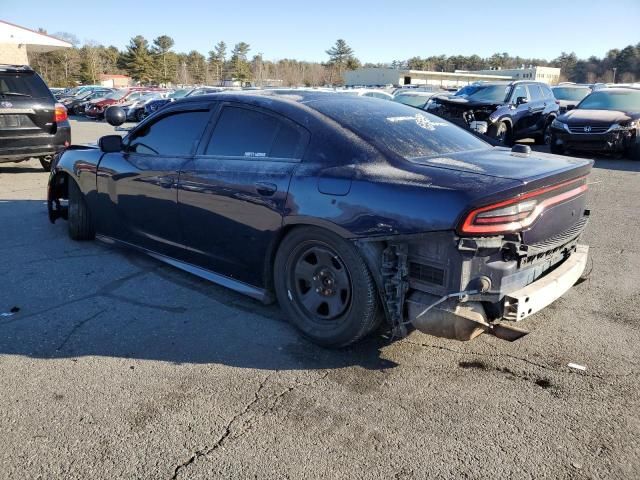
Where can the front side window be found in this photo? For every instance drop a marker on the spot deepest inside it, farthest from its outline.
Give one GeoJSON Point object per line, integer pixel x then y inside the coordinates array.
{"type": "Point", "coordinates": [243, 132]}
{"type": "Point", "coordinates": [519, 91]}
{"type": "Point", "coordinates": [175, 134]}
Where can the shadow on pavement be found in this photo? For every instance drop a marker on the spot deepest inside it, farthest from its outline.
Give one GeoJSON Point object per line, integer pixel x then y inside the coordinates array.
{"type": "Point", "coordinates": [87, 299]}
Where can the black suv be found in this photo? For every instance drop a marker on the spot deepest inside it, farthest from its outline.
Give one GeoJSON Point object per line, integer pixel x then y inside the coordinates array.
{"type": "Point", "coordinates": [505, 111]}
{"type": "Point", "coordinates": [32, 124]}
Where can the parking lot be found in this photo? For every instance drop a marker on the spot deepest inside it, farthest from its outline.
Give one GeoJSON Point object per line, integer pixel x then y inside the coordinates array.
{"type": "Point", "coordinates": [117, 366]}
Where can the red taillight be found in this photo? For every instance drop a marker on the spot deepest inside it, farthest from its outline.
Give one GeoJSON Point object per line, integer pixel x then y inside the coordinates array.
{"type": "Point", "coordinates": [520, 212]}
{"type": "Point", "coordinates": [60, 114]}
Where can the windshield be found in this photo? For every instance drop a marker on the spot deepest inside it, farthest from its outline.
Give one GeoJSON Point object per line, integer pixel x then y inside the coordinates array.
{"type": "Point", "coordinates": [178, 94]}
{"type": "Point", "coordinates": [485, 93]}
{"type": "Point", "coordinates": [570, 93]}
{"type": "Point", "coordinates": [399, 128]}
{"type": "Point", "coordinates": [117, 95]}
{"type": "Point", "coordinates": [412, 100]}
{"type": "Point", "coordinates": [626, 101]}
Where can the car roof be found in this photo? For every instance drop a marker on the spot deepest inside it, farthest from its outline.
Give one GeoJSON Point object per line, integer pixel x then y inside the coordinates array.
{"type": "Point", "coordinates": [283, 97]}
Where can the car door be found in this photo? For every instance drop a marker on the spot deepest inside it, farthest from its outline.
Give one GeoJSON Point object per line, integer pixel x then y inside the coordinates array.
{"type": "Point", "coordinates": [520, 116]}
{"type": "Point", "coordinates": [232, 194]}
{"type": "Point", "coordinates": [137, 188]}
{"type": "Point", "coordinates": [536, 108]}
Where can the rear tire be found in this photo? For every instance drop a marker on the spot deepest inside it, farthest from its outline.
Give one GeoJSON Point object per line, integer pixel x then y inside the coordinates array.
{"type": "Point", "coordinates": [79, 219]}
{"type": "Point", "coordinates": [325, 288]}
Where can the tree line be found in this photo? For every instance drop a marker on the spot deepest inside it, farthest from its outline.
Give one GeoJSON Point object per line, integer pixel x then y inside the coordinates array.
{"type": "Point", "coordinates": [157, 63]}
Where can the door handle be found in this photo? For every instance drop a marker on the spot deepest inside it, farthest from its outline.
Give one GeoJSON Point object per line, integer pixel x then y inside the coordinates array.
{"type": "Point", "coordinates": [265, 188]}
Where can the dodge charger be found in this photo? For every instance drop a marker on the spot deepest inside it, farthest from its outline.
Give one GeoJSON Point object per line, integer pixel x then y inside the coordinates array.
{"type": "Point", "coordinates": [347, 211]}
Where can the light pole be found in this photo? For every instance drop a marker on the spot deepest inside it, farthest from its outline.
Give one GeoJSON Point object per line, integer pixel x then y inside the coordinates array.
{"type": "Point", "coordinates": [614, 74]}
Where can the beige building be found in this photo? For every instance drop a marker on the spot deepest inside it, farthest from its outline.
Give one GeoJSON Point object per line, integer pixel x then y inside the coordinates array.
{"type": "Point", "coordinates": [367, 77]}
{"type": "Point", "coordinates": [550, 75]}
{"type": "Point", "coordinates": [17, 42]}
{"type": "Point", "coordinates": [114, 80]}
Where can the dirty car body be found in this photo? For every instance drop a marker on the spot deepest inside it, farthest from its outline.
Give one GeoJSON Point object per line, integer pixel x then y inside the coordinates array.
{"type": "Point", "coordinates": [452, 231]}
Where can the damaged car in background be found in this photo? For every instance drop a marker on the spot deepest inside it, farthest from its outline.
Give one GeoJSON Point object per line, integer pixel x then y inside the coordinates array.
{"type": "Point", "coordinates": [348, 211]}
{"type": "Point", "coordinates": [607, 120]}
{"type": "Point", "coordinates": [504, 111]}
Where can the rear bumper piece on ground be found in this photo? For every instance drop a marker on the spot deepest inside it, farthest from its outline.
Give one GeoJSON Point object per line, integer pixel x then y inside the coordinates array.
{"type": "Point", "coordinates": [458, 319]}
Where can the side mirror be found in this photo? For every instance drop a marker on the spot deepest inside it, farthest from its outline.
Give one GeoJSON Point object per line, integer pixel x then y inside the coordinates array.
{"type": "Point", "coordinates": [115, 116]}
{"type": "Point", "coordinates": [521, 100]}
{"type": "Point", "coordinates": [110, 143]}
{"type": "Point", "coordinates": [570, 107]}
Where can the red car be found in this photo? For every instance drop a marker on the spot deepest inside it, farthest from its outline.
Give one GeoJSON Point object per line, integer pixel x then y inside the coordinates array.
{"type": "Point", "coordinates": [96, 109]}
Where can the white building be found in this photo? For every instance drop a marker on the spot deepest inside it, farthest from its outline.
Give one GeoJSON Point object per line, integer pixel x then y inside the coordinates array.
{"type": "Point", "coordinates": [17, 42]}
{"type": "Point", "coordinates": [368, 77]}
{"type": "Point", "coordinates": [549, 75]}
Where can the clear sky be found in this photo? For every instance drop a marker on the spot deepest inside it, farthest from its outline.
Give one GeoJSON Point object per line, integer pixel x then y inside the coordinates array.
{"type": "Point", "coordinates": [378, 31]}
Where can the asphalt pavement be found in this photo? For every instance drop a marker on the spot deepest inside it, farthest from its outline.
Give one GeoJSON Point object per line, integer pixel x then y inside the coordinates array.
{"type": "Point", "coordinates": [113, 365]}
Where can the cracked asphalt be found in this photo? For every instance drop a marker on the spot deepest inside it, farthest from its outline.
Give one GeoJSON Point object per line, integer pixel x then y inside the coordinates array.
{"type": "Point", "coordinates": [117, 366]}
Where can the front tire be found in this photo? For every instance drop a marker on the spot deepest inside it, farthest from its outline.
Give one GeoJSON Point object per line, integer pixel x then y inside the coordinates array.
{"type": "Point", "coordinates": [545, 137]}
{"type": "Point", "coordinates": [633, 152]}
{"type": "Point", "coordinates": [79, 219]}
{"type": "Point", "coordinates": [501, 133]}
{"type": "Point", "coordinates": [46, 164]}
{"type": "Point", "coordinates": [325, 288]}
{"type": "Point", "coordinates": [554, 147]}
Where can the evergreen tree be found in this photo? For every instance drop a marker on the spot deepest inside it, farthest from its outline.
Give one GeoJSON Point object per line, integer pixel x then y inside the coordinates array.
{"type": "Point", "coordinates": [161, 47]}
{"type": "Point", "coordinates": [217, 60]}
{"type": "Point", "coordinates": [239, 64]}
{"type": "Point", "coordinates": [138, 60]}
{"type": "Point", "coordinates": [341, 58]}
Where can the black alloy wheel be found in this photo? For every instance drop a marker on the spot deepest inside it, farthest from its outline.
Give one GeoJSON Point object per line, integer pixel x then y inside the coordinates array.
{"type": "Point", "coordinates": [321, 282]}
{"type": "Point", "coordinates": [325, 287]}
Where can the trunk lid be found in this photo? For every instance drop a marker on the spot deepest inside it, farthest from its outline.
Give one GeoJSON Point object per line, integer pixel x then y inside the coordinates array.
{"type": "Point", "coordinates": [502, 163]}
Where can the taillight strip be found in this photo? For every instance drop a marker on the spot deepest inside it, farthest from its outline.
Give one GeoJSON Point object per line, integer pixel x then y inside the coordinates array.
{"type": "Point", "coordinates": [468, 226]}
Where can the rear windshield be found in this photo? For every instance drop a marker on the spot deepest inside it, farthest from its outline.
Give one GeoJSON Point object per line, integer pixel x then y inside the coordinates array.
{"type": "Point", "coordinates": [571, 93]}
{"type": "Point", "coordinates": [612, 100]}
{"type": "Point", "coordinates": [23, 85]}
{"type": "Point", "coordinates": [412, 100]}
{"type": "Point", "coordinates": [399, 128]}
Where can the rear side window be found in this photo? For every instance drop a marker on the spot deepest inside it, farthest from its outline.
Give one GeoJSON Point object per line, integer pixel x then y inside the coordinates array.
{"type": "Point", "coordinates": [174, 134]}
{"type": "Point", "coordinates": [535, 93]}
{"type": "Point", "coordinates": [23, 85]}
{"type": "Point", "coordinates": [243, 132]}
{"type": "Point", "coordinates": [546, 91]}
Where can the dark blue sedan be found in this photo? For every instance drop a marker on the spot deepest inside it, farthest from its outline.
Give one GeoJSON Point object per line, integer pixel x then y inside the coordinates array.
{"type": "Point", "coordinates": [348, 211]}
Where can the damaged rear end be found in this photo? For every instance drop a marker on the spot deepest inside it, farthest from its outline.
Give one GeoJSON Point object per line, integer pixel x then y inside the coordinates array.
{"type": "Point", "coordinates": [507, 260]}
